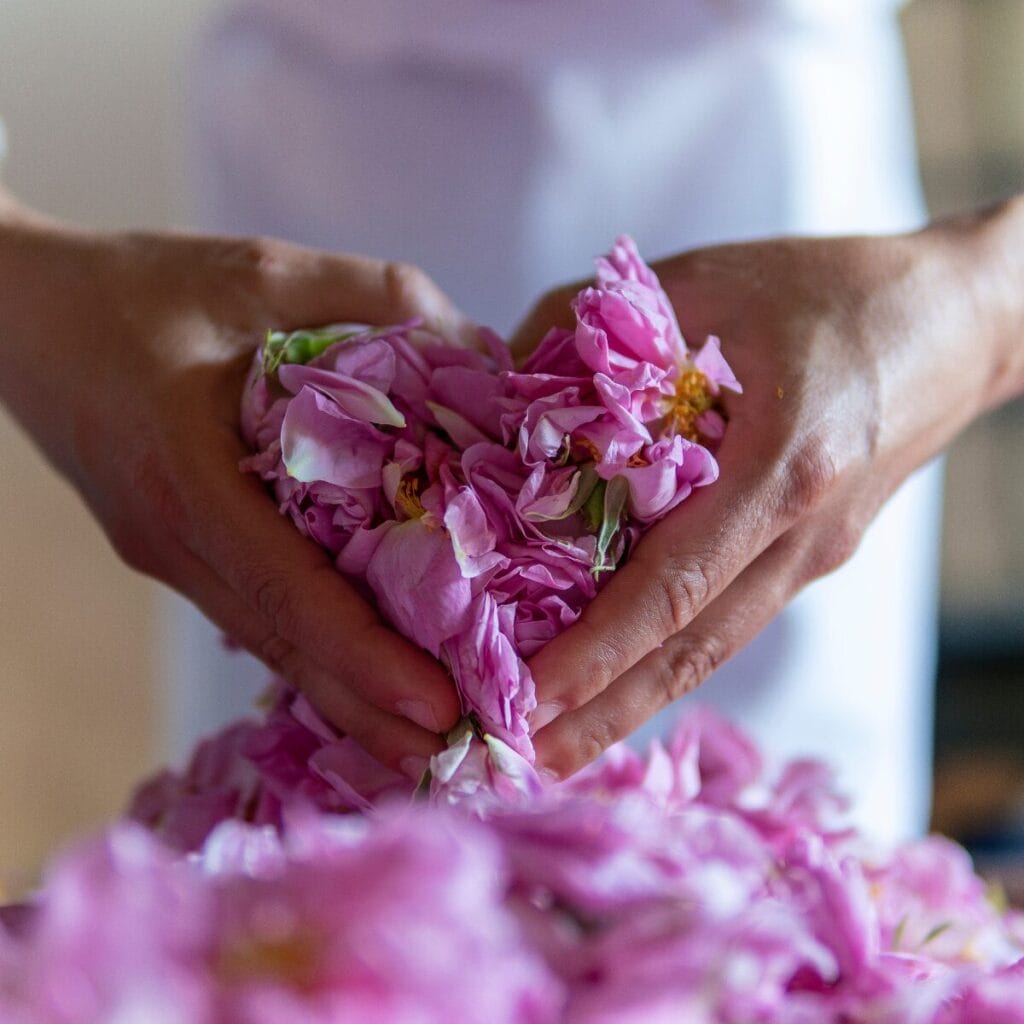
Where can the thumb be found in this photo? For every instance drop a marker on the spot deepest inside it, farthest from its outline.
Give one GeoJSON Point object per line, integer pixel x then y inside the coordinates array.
{"type": "Point", "coordinates": [303, 287]}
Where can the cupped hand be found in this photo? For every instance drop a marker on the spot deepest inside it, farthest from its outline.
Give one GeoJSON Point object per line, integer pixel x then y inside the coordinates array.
{"type": "Point", "coordinates": [126, 357]}
{"type": "Point", "coordinates": [860, 358]}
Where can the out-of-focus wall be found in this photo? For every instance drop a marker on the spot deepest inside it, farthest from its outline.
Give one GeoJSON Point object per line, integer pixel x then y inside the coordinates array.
{"type": "Point", "coordinates": [90, 93]}
{"type": "Point", "coordinates": [967, 67]}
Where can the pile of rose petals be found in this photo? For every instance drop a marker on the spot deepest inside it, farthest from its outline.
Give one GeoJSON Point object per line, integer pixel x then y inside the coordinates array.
{"type": "Point", "coordinates": [689, 885]}
{"type": "Point", "coordinates": [287, 876]}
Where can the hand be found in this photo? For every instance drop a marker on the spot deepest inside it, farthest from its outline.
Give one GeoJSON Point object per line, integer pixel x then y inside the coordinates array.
{"type": "Point", "coordinates": [860, 359]}
{"type": "Point", "coordinates": [125, 358]}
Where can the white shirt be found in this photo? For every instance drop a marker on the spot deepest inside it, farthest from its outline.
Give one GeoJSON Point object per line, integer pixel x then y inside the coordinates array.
{"type": "Point", "coordinates": [501, 145]}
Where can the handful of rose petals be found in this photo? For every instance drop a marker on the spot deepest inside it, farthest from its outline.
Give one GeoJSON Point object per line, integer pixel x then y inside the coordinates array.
{"type": "Point", "coordinates": [481, 506]}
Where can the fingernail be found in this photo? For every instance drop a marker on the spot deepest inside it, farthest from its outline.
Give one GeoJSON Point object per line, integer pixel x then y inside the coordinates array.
{"type": "Point", "coordinates": [414, 767]}
{"type": "Point", "coordinates": [420, 712]}
{"type": "Point", "coordinates": [544, 714]}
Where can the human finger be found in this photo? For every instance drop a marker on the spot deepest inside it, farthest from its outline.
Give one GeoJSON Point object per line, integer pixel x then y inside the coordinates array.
{"type": "Point", "coordinates": [392, 739]}
{"type": "Point", "coordinates": [302, 287]}
{"type": "Point", "coordinates": [681, 565]}
{"type": "Point", "coordinates": [676, 668]}
{"type": "Point", "coordinates": [230, 523]}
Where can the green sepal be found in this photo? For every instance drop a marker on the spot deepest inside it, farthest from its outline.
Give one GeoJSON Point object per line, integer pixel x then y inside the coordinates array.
{"type": "Point", "coordinates": [300, 346]}
{"type": "Point", "coordinates": [616, 494]}
{"type": "Point", "coordinates": [586, 480]}
{"type": "Point", "coordinates": [593, 507]}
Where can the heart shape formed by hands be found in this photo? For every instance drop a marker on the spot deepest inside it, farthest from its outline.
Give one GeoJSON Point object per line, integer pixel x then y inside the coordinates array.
{"type": "Point", "coordinates": [481, 505]}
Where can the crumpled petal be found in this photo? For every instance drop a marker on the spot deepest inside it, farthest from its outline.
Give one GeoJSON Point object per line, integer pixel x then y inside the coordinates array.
{"type": "Point", "coordinates": [320, 442]}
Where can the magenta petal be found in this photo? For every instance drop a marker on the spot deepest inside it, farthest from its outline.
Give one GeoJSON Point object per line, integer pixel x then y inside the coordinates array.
{"type": "Point", "coordinates": [462, 431]}
{"type": "Point", "coordinates": [472, 537]}
{"type": "Point", "coordinates": [358, 778]}
{"type": "Point", "coordinates": [256, 400]}
{"type": "Point", "coordinates": [556, 354]}
{"type": "Point", "coordinates": [513, 777]}
{"type": "Point", "coordinates": [548, 494]}
{"type": "Point", "coordinates": [673, 468]}
{"type": "Point", "coordinates": [419, 584]}
{"type": "Point", "coordinates": [354, 397]}
{"type": "Point", "coordinates": [320, 442]}
{"type": "Point", "coordinates": [368, 358]}
{"type": "Point", "coordinates": [540, 620]}
{"type": "Point", "coordinates": [624, 325]}
{"type": "Point", "coordinates": [548, 423]}
{"type": "Point", "coordinates": [493, 680]}
{"type": "Point", "coordinates": [475, 395]}
{"type": "Point", "coordinates": [710, 361]}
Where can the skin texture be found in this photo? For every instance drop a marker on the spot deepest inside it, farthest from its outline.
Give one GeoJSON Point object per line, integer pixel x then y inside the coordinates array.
{"type": "Point", "coordinates": [124, 360]}
{"type": "Point", "coordinates": [861, 359]}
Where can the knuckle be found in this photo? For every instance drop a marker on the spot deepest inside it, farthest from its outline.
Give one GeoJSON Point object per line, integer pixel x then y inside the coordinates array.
{"type": "Point", "coordinates": [254, 261]}
{"type": "Point", "coordinates": [272, 598]}
{"type": "Point", "coordinates": [406, 287]}
{"type": "Point", "coordinates": [250, 254]}
{"type": "Point", "coordinates": [684, 588]}
{"type": "Point", "coordinates": [810, 476]}
{"type": "Point", "coordinates": [593, 740]}
{"type": "Point", "coordinates": [575, 698]}
{"type": "Point", "coordinates": [691, 661]}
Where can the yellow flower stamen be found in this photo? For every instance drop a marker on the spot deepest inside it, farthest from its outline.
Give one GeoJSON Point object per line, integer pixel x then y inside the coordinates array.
{"type": "Point", "coordinates": [692, 398]}
{"type": "Point", "coordinates": [407, 500]}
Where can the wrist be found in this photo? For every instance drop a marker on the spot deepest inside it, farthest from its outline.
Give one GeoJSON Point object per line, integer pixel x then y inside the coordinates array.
{"type": "Point", "coordinates": [45, 295]}
{"type": "Point", "coordinates": [988, 248]}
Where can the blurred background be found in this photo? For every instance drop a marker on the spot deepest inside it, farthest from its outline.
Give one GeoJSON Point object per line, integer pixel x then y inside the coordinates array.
{"type": "Point", "coordinates": [91, 95]}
